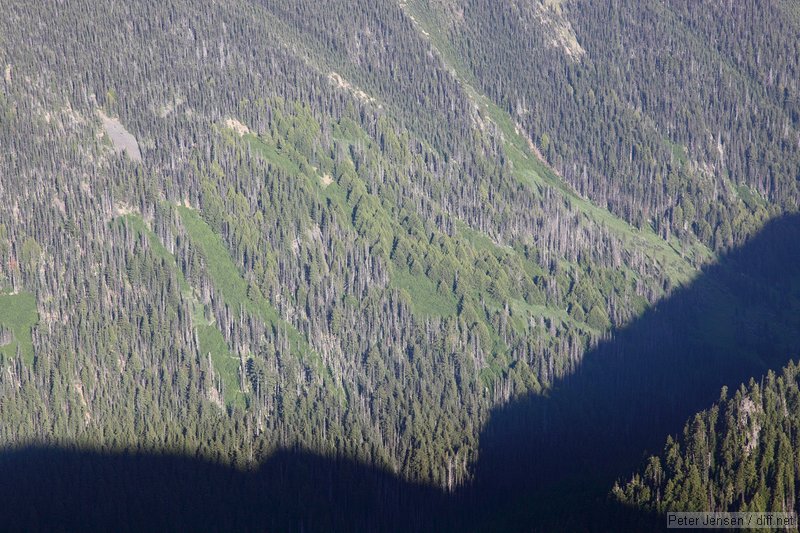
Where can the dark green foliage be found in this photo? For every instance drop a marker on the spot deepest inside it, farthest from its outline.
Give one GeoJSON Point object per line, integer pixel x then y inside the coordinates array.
{"type": "Point", "coordinates": [338, 238]}
{"type": "Point", "coordinates": [17, 318]}
{"type": "Point", "coordinates": [645, 106]}
{"type": "Point", "coordinates": [739, 455]}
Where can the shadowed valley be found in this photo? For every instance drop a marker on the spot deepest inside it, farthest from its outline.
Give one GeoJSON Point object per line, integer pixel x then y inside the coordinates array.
{"type": "Point", "coordinates": [546, 462]}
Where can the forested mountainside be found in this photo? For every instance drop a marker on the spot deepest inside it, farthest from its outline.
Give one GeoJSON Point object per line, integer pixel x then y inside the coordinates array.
{"type": "Point", "coordinates": [356, 227]}
{"type": "Point", "coordinates": [738, 455]}
{"type": "Point", "coordinates": [679, 114]}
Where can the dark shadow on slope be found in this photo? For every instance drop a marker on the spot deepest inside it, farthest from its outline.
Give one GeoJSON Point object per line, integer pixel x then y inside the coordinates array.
{"type": "Point", "coordinates": [738, 319]}
{"type": "Point", "coordinates": [56, 490]}
{"type": "Point", "coordinates": [547, 463]}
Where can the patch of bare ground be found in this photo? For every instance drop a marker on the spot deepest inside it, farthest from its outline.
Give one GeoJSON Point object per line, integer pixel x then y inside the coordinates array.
{"type": "Point", "coordinates": [121, 209]}
{"type": "Point", "coordinates": [552, 16]}
{"type": "Point", "coordinates": [58, 203]}
{"type": "Point", "coordinates": [121, 138]}
{"type": "Point", "coordinates": [237, 126]}
{"type": "Point", "coordinates": [339, 81]}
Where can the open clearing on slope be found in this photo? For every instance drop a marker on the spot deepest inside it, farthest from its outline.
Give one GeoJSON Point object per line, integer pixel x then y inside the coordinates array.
{"type": "Point", "coordinates": [121, 138]}
{"type": "Point", "coordinates": [209, 337]}
{"type": "Point", "coordinates": [233, 288]}
{"type": "Point", "coordinates": [18, 313]}
{"type": "Point", "coordinates": [237, 126]}
{"type": "Point", "coordinates": [426, 300]}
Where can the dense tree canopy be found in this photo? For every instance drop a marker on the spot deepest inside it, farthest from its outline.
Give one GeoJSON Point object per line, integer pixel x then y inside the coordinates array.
{"type": "Point", "coordinates": [358, 226]}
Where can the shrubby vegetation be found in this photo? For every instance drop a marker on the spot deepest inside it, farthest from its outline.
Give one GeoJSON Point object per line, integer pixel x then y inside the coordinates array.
{"type": "Point", "coordinates": [334, 240]}
{"type": "Point", "coordinates": [670, 114]}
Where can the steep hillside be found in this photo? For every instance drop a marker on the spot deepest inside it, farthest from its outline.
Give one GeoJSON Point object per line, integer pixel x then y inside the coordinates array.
{"type": "Point", "coordinates": [356, 227]}
{"type": "Point", "coordinates": [738, 455]}
{"type": "Point", "coordinates": [679, 115]}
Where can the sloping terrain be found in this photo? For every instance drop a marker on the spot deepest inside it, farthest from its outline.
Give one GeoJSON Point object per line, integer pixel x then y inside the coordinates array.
{"type": "Point", "coordinates": [353, 228]}
{"type": "Point", "coordinates": [17, 317]}
{"type": "Point", "coordinates": [736, 456]}
{"type": "Point", "coordinates": [679, 115]}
